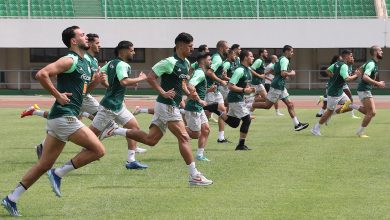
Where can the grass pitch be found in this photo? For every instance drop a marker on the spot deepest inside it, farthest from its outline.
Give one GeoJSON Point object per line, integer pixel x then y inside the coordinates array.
{"type": "Point", "coordinates": [287, 175]}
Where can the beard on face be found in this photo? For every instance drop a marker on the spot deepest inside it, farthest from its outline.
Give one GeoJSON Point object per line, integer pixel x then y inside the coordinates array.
{"type": "Point", "coordinates": [379, 56]}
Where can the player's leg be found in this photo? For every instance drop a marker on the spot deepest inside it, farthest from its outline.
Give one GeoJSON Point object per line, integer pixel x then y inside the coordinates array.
{"type": "Point", "coordinates": [298, 126]}
{"type": "Point", "coordinates": [221, 122]}
{"type": "Point", "coordinates": [370, 109]}
{"type": "Point", "coordinates": [132, 163]}
{"type": "Point", "coordinates": [34, 110]}
{"type": "Point", "coordinates": [331, 106]}
{"type": "Point", "coordinates": [202, 141]}
{"type": "Point", "coordinates": [193, 124]}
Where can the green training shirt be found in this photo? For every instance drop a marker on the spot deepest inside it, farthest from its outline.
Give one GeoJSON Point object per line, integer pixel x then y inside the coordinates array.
{"type": "Point", "coordinates": [228, 67]}
{"type": "Point", "coordinates": [198, 80]}
{"type": "Point", "coordinates": [337, 81]}
{"type": "Point", "coordinates": [242, 76]}
{"type": "Point", "coordinates": [116, 71]}
{"type": "Point", "coordinates": [75, 80]}
{"type": "Point", "coordinates": [258, 67]}
{"type": "Point", "coordinates": [370, 69]}
{"type": "Point", "coordinates": [217, 67]}
{"type": "Point", "coordinates": [172, 70]}
{"type": "Point", "coordinates": [279, 81]}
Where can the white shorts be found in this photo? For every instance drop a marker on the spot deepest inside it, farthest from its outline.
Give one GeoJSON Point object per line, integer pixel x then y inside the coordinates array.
{"type": "Point", "coordinates": [333, 101]}
{"type": "Point", "coordinates": [346, 87]}
{"type": "Point", "coordinates": [195, 120]}
{"type": "Point", "coordinates": [164, 113]}
{"type": "Point", "coordinates": [238, 109]}
{"type": "Point", "coordinates": [214, 97]}
{"type": "Point", "coordinates": [275, 94]}
{"type": "Point", "coordinates": [224, 91]}
{"type": "Point", "coordinates": [61, 128]}
{"type": "Point", "coordinates": [259, 88]}
{"type": "Point", "coordinates": [104, 116]}
{"type": "Point", "coordinates": [364, 94]}
{"type": "Point", "coordinates": [90, 104]}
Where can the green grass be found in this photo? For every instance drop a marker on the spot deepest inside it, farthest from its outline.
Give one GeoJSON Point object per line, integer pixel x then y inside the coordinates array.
{"type": "Point", "coordinates": [287, 175]}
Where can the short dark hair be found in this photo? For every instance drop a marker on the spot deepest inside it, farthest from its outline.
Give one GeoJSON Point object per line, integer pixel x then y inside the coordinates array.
{"type": "Point", "coordinates": [244, 54]}
{"type": "Point", "coordinates": [234, 46]}
{"type": "Point", "coordinates": [122, 45]}
{"type": "Point", "coordinates": [286, 48]}
{"type": "Point", "coordinates": [202, 48]}
{"type": "Point", "coordinates": [261, 50]}
{"type": "Point", "coordinates": [201, 56]}
{"type": "Point", "coordinates": [346, 52]}
{"type": "Point", "coordinates": [68, 34]}
{"type": "Point", "coordinates": [91, 37]}
{"type": "Point", "coordinates": [184, 38]}
{"type": "Point", "coordinates": [373, 49]}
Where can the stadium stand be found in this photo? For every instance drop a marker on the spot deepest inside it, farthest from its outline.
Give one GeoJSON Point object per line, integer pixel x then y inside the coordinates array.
{"type": "Point", "coordinates": [191, 8]}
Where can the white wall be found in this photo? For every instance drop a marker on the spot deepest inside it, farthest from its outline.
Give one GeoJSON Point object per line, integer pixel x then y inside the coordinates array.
{"type": "Point", "coordinates": [159, 33]}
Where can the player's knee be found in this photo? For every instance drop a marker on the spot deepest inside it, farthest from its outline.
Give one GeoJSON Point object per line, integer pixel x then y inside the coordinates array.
{"type": "Point", "coordinates": [100, 152]}
{"type": "Point", "coordinates": [194, 134]}
{"type": "Point", "coordinates": [232, 121]}
{"type": "Point", "coordinates": [205, 130]}
{"type": "Point", "coordinates": [371, 114]}
{"type": "Point", "coordinates": [290, 105]}
{"type": "Point", "coordinates": [183, 138]}
{"type": "Point", "coordinates": [246, 122]}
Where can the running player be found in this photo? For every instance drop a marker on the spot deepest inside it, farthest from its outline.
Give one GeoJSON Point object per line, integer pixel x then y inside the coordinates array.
{"type": "Point", "coordinates": [112, 107]}
{"type": "Point", "coordinates": [172, 70]}
{"type": "Point", "coordinates": [269, 73]}
{"type": "Point", "coordinates": [215, 77]}
{"type": "Point", "coordinates": [197, 123]}
{"type": "Point", "coordinates": [278, 90]}
{"type": "Point", "coordinates": [73, 76]}
{"type": "Point", "coordinates": [339, 75]}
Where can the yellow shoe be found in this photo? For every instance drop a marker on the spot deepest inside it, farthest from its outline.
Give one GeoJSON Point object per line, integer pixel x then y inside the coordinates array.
{"type": "Point", "coordinates": [321, 99]}
{"type": "Point", "coordinates": [345, 106]}
{"type": "Point", "coordinates": [363, 136]}
{"type": "Point", "coordinates": [36, 107]}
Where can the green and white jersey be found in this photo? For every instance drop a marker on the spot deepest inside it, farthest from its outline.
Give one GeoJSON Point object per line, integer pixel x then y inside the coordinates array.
{"type": "Point", "coordinates": [350, 71]}
{"type": "Point", "coordinates": [236, 63]}
{"type": "Point", "coordinates": [75, 80]}
{"type": "Point", "coordinates": [279, 81]}
{"type": "Point", "coordinates": [195, 65]}
{"type": "Point", "coordinates": [242, 76]}
{"type": "Point", "coordinates": [370, 69]}
{"type": "Point", "coordinates": [217, 67]}
{"type": "Point", "coordinates": [336, 82]}
{"type": "Point", "coordinates": [258, 67]}
{"type": "Point", "coordinates": [228, 67]}
{"type": "Point", "coordinates": [93, 62]}
{"type": "Point", "coordinates": [116, 70]}
{"type": "Point", "coordinates": [172, 70]}
{"type": "Point", "coordinates": [198, 80]}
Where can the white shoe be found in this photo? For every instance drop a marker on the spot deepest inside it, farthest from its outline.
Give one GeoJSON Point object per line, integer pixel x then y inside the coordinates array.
{"type": "Point", "coordinates": [199, 180]}
{"type": "Point", "coordinates": [279, 113]}
{"type": "Point", "coordinates": [362, 135]}
{"type": "Point", "coordinates": [355, 117]}
{"type": "Point", "coordinates": [315, 132]}
{"type": "Point", "coordinates": [140, 150]}
{"type": "Point", "coordinates": [108, 130]}
{"type": "Point", "coordinates": [137, 110]}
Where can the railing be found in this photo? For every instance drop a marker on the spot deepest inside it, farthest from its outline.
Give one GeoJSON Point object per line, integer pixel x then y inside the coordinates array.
{"type": "Point", "coordinates": [106, 9]}
{"type": "Point", "coordinates": [304, 79]}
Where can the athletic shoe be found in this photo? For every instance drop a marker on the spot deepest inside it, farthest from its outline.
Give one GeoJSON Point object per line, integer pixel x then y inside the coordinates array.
{"type": "Point", "coordinates": [301, 126]}
{"type": "Point", "coordinates": [137, 110]}
{"type": "Point", "coordinates": [223, 141]}
{"type": "Point", "coordinates": [242, 147]}
{"type": "Point", "coordinates": [108, 130]}
{"type": "Point", "coordinates": [279, 114]}
{"type": "Point", "coordinates": [321, 99]}
{"type": "Point", "coordinates": [315, 132]}
{"type": "Point", "coordinates": [39, 149]}
{"type": "Point", "coordinates": [29, 111]}
{"type": "Point", "coordinates": [361, 135]}
{"type": "Point", "coordinates": [140, 150]}
{"type": "Point", "coordinates": [253, 117]}
{"type": "Point", "coordinates": [135, 165]}
{"type": "Point", "coordinates": [345, 106]}
{"type": "Point", "coordinates": [355, 117]}
{"type": "Point", "coordinates": [202, 158]}
{"type": "Point", "coordinates": [318, 115]}
{"type": "Point", "coordinates": [199, 180]}
{"type": "Point", "coordinates": [55, 182]}
{"type": "Point", "coordinates": [10, 207]}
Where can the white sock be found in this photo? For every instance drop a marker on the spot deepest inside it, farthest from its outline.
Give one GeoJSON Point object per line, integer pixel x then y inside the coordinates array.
{"type": "Point", "coordinates": [66, 168]}
{"type": "Point", "coordinates": [353, 107]}
{"type": "Point", "coordinates": [353, 112]}
{"type": "Point", "coordinates": [325, 99]}
{"type": "Point", "coordinates": [38, 113]}
{"type": "Point", "coordinates": [16, 193]}
{"type": "Point", "coordinates": [143, 110]}
{"type": "Point", "coordinates": [85, 114]}
{"type": "Point", "coordinates": [120, 131]}
{"type": "Point", "coordinates": [317, 127]}
{"type": "Point", "coordinates": [360, 130]}
{"type": "Point", "coordinates": [221, 135]}
{"type": "Point", "coordinates": [295, 120]}
{"type": "Point", "coordinates": [321, 111]}
{"type": "Point", "coordinates": [200, 151]}
{"type": "Point", "coordinates": [130, 156]}
{"type": "Point", "coordinates": [192, 169]}
{"type": "Point", "coordinates": [182, 111]}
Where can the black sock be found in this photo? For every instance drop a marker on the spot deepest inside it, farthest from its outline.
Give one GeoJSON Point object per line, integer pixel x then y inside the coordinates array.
{"type": "Point", "coordinates": [241, 142]}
